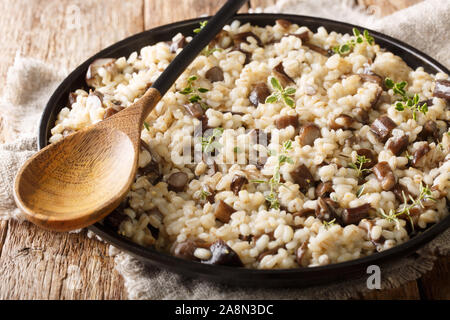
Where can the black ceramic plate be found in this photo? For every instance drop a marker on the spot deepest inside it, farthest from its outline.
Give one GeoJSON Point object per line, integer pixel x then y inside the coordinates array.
{"type": "Point", "coordinates": [229, 275]}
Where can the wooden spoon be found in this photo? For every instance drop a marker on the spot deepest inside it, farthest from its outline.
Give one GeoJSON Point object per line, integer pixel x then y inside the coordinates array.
{"type": "Point", "coordinates": [79, 180]}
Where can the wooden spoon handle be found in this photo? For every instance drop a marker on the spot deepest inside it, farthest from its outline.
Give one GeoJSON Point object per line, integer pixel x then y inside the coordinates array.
{"type": "Point", "coordinates": [147, 102]}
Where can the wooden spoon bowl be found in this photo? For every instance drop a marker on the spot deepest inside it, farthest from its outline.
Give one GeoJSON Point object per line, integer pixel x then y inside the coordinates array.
{"type": "Point", "coordinates": [83, 177]}
{"type": "Point", "coordinates": [68, 194]}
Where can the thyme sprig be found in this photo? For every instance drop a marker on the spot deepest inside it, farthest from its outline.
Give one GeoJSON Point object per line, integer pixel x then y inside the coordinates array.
{"type": "Point", "coordinates": [204, 194]}
{"type": "Point", "coordinates": [281, 94]}
{"type": "Point", "coordinates": [275, 181]}
{"type": "Point", "coordinates": [207, 51]}
{"type": "Point", "coordinates": [345, 48]}
{"type": "Point", "coordinates": [358, 165]}
{"type": "Point", "coordinates": [408, 102]}
{"type": "Point", "coordinates": [202, 25]}
{"type": "Point", "coordinates": [405, 208]}
{"type": "Point", "coordinates": [211, 142]}
{"type": "Point", "coordinates": [194, 93]}
{"type": "Point", "coordinates": [328, 224]}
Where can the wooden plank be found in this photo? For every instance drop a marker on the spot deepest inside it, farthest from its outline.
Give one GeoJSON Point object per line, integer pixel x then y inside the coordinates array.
{"type": "Point", "coordinates": [158, 12]}
{"type": "Point", "coordinates": [3, 232]}
{"type": "Point", "coordinates": [435, 285]}
{"type": "Point", "coordinates": [64, 33]}
{"type": "Point", "coordinates": [409, 291]}
{"type": "Point", "coordinates": [34, 263]}
{"type": "Point", "coordinates": [37, 264]}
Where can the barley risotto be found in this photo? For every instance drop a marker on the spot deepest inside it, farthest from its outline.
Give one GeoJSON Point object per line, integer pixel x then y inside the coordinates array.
{"type": "Point", "coordinates": [278, 147]}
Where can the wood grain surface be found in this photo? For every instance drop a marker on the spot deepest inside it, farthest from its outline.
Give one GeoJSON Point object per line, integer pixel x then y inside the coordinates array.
{"type": "Point", "coordinates": [37, 264]}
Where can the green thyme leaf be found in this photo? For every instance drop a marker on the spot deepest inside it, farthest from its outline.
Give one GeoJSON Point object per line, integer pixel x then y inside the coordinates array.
{"type": "Point", "coordinates": [289, 101]}
{"type": "Point", "coordinates": [204, 194]}
{"type": "Point", "coordinates": [281, 93]}
{"type": "Point", "coordinates": [258, 181]}
{"type": "Point", "coordinates": [389, 83]}
{"type": "Point", "coordinates": [290, 91]}
{"type": "Point", "coordinates": [360, 191]}
{"type": "Point", "coordinates": [345, 48]}
{"type": "Point", "coordinates": [271, 99]}
{"type": "Point", "coordinates": [186, 91]}
{"type": "Point", "coordinates": [276, 84]}
{"type": "Point", "coordinates": [147, 126]}
{"type": "Point", "coordinates": [194, 98]}
{"type": "Point", "coordinates": [202, 25]}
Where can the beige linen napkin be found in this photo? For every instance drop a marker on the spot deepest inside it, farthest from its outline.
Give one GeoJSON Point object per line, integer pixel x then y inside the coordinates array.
{"type": "Point", "coordinates": [31, 82]}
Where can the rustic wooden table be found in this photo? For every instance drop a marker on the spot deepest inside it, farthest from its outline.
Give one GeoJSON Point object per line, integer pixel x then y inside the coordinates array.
{"type": "Point", "coordinates": [35, 264]}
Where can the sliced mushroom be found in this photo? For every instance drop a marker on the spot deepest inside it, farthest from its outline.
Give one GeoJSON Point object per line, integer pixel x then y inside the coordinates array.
{"type": "Point", "coordinates": [214, 74]}
{"type": "Point", "coordinates": [342, 121]}
{"type": "Point", "coordinates": [324, 189]}
{"type": "Point", "coordinates": [259, 93]}
{"type": "Point", "coordinates": [177, 181]}
{"type": "Point", "coordinates": [324, 211]}
{"type": "Point", "coordinates": [217, 41]}
{"type": "Point", "coordinates": [222, 254]}
{"type": "Point", "coordinates": [442, 89]}
{"type": "Point", "coordinates": [237, 183]}
{"type": "Point", "coordinates": [248, 55]}
{"type": "Point", "coordinates": [223, 212]}
{"type": "Point", "coordinates": [286, 121]}
{"type": "Point", "coordinates": [383, 127]}
{"type": "Point", "coordinates": [268, 252]}
{"type": "Point", "coordinates": [153, 169]}
{"type": "Point", "coordinates": [72, 99]}
{"type": "Point", "coordinates": [419, 153]}
{"type": "Point", "coordinates": [261, 163]}
{"type": "Point", "coordinates": [369, 155]}
{"type": "Point", "coordinates": [398, 145]}
{"type": "Point", "coordinates": [300, 253]}
{"type": "Point", "coordinates": [361, 115]}
{"type": "Point", "coordinates": [210, 193]}
{"type": "Point", "coordinates": [92, 77]}
{"type": "Point", "coordinates": [309, 132]}
{"type": "Point", "coordinates": [371, 77]}
{"type": "Point", "coordinates": [304, 36]}
{"type": "Point", "coordinates": [194, 109]}
{"type": "Point", "coordinates": [285, 24]}
{"type": "Point", "coordinates": [384, 174]}
{"type": "Point", "coordinates": [185, 249]}
{"type": "Point", "coordinates": [399, 190]}
{"type": "Point", "coordinates": [355, 215]}
{"type": "Point", "coordinates": [177, 44]}
{"type": "Point", "coordinates": [374, 103]}
{"type": "Point", "coordinates": [281, 75]}
{"type": "Point", "coordinates": [242, 37]}
{"type": "Point", "coordinates": [303, 177]}
{"type": "Point", "coordinates": [110, 111]}
{"type": "Point", "coordinates": [304, 212]}
{"type": "Point", "coordinates": [429, 130]}
{"type": "Point", "coordinates": [318, 49]}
